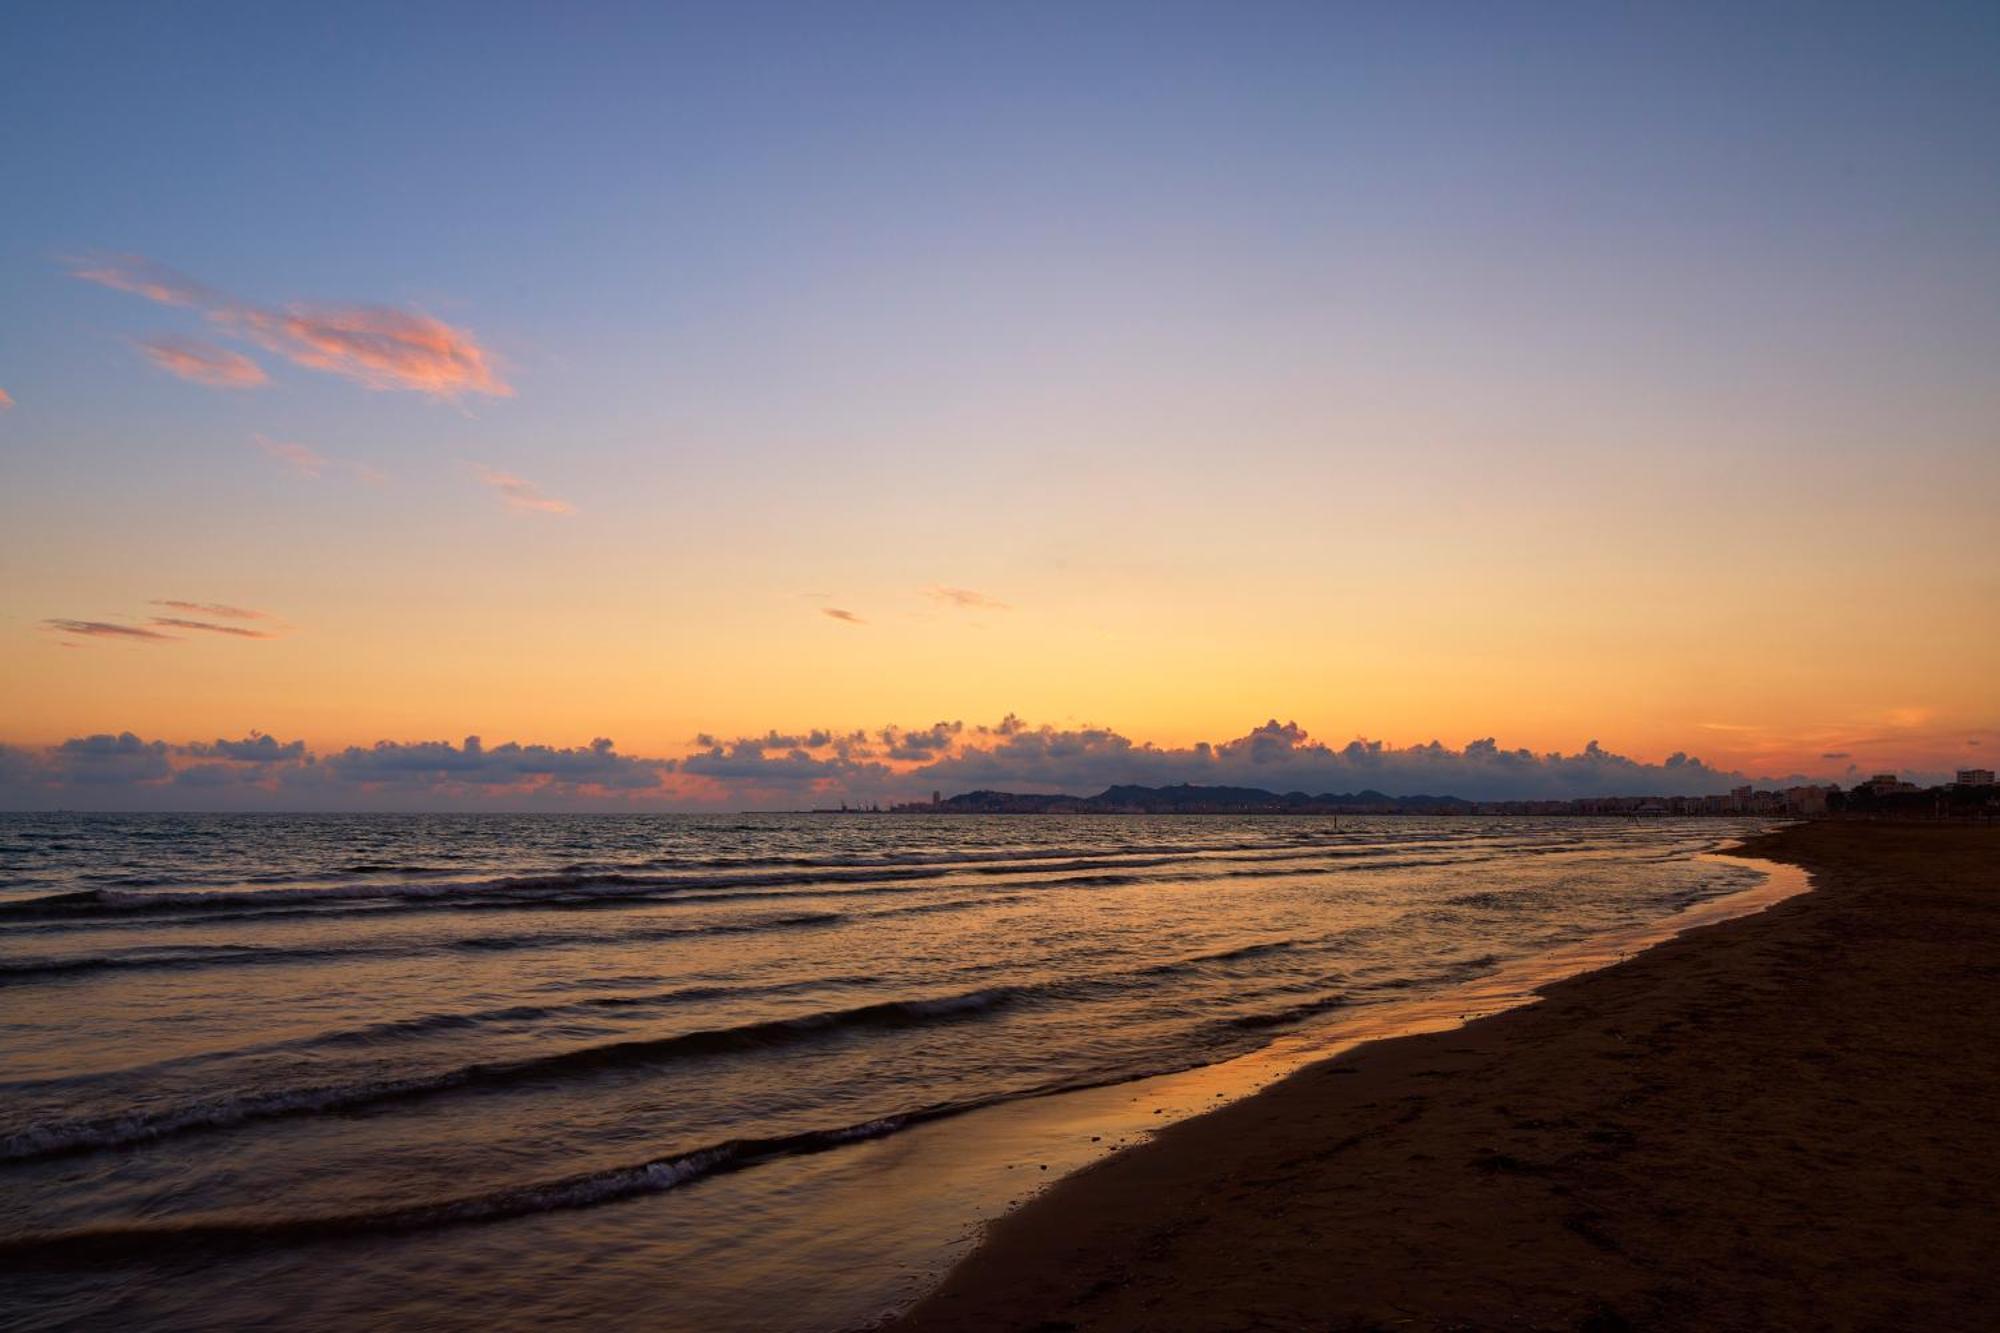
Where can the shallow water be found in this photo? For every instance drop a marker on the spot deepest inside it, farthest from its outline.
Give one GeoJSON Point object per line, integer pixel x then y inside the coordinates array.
{"type": "Point", "coordinates": [693, 1071]}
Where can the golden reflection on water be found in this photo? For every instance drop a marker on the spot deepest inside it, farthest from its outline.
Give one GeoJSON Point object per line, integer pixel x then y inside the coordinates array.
{"type": "Point", "coordinates": [700, 1089]}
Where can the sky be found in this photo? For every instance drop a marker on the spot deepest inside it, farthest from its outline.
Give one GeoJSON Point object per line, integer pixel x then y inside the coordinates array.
{"type": "Point", "coordinates": [1084, 385]}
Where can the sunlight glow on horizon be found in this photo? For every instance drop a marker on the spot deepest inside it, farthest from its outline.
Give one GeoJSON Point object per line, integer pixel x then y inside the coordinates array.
{"type": "Point", "coordinates": [1628, 379]}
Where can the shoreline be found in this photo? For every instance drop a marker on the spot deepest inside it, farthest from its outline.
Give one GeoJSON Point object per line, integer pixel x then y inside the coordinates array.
{"type": "Point", "coordinates": [912, 1204]}
{"type": "Point", "coordinates": [850, 1237]}
{"type": "Point", "coordinates": [1737, 1127]}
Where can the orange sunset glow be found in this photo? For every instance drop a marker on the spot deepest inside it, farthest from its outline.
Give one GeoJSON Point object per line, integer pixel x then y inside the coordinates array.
{"type": "Point", "coordinates": [874, 667]}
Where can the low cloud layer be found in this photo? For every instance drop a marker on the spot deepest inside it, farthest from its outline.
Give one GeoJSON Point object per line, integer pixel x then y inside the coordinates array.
{"type": "Point", "coordinates": [791, 770]}
{"type": "Point", "coordinates": [379, 347]}
{"type": "Point", "coordinates": [1282, 757]}
{"type": "Point", "coordinates": [122, 771]}
{"type": "Point", "coordinates": [429, 765]}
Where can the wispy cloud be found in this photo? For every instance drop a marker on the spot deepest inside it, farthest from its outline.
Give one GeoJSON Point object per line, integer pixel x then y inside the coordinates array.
{"type": "Point", "coordinates": [6, 400]}
{"type": "Point", "coordinates": [212, 609]}
{"type": "Point", "coordinates": [211, 615]}
{"type": "Point", "coordinates": [145, 277]}
{"type": "Point", "coordinates": [523, 496]}
{"type": "Point", "coordinates": [305, 461]}
{"type": "Point", "coordinates": [203, 363]}
{"type": "Point", "coordinates": [309, 462]}
{"type": "Point", "coordinates": [209, 627]}
{"type": "Point", "coordinates": [966, 599]}
{"type": "Point", "coordinates": [104, 629]}
{"type": "Point", "coordinates": [379, 347]}
{"type": "Point", "coordinates": [838, 614]}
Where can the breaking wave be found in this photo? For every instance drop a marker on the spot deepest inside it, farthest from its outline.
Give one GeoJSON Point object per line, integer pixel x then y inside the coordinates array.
{"type": "Point", "coordinates": [62, 1138]}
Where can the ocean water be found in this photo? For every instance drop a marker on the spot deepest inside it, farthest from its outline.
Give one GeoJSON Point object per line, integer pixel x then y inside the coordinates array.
{"type": "Point", "coordinates": [683, 1072]}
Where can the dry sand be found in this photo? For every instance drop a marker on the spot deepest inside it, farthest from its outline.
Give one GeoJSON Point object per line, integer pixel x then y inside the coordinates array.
{"type": "Point", "coordinates": [1786, 1121]}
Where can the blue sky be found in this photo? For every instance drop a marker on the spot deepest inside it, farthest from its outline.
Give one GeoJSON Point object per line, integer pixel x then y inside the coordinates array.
{"type": "Point", "coordinates": [1414, 370]}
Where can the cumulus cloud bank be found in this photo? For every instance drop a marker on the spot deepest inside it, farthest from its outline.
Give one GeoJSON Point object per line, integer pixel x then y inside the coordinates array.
{"type": "Point", "coordinates": [121, 771]}
{"type": "Point", "coordinates": [256, 748]}
{"type": "Point", "coordinates": [379, 347]}
{"type": "Point", "coordinates": [820, 766]}
{"type": "Point", "coordinates": [1282, 757]}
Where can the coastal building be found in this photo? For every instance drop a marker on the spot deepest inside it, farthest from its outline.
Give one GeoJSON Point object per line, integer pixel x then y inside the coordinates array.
{"type": "Point", "coordinates": [1974, 777]}
{"type": "Point", "coordinates": [1807, 800]}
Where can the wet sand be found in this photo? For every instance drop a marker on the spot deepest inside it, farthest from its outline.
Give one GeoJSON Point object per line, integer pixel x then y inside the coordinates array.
{"type": "Point", "coordinates": [1783, 1121]}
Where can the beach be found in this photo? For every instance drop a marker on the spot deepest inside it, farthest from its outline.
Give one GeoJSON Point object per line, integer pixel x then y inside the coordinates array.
{"type": "Point", "coordinates": [1781, 1121]}
{"type": "Point", "coordinates": [703, 1073]}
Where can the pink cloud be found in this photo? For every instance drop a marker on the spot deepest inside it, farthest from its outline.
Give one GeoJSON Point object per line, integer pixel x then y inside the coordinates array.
{"type": "Point", "coordinates": [309, 462]}
{"type": "Point", "coordinates": [209, 627]}
{"type": "Point", "coordinates": [204, 363]}
{"type": "Point", "coordinates": [304, 461]}
{"type": "Point", "coordinates": [104, 629]}
{"type": "Point", "coordinates": [212, 609]}
{"type": "Point", "coordinates": [966, 599]}
{"type": "Point", "coordinates": [6, 399]}
{"type": "Point", "coordinates": [143, 277]}
{"type": "Point", "coordinates": [379, 347]}
{"type": "Point", "coordinates": [375, 346]}
{"type": "Point", "coordinates": [522, 495]}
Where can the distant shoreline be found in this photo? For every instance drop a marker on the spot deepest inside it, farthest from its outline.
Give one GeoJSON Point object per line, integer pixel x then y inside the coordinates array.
{"type": "Point", "coordinates": [1780, 1121]}
{"type": "Point", "coordinates": [1239, 814]}
{"type": "Point", "coordinates": [1883, 795]}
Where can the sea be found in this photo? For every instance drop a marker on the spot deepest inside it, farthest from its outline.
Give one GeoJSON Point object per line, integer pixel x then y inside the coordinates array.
{"type": "Point", "coordinates": [691, 1072]}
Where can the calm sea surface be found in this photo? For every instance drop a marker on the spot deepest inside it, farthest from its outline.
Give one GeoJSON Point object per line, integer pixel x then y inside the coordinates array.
{"type": "Point", "coordinates": [501, 1071]}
